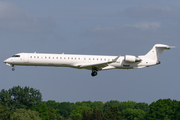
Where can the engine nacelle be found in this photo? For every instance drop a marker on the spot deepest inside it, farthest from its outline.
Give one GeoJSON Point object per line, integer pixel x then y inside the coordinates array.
{"type": "Point", "coordinates": [131, 58]}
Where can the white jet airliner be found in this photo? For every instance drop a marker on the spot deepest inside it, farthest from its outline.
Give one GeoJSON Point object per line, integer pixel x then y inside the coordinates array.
{"type": "Point", "coordinates": [91, 62]}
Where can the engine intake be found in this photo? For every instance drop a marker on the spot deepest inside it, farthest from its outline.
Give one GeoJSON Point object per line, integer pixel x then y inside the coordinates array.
{"type": "Point", "coordinates": [131, 58]}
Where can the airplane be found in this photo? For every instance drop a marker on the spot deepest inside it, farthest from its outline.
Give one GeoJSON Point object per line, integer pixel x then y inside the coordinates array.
{"type": "Point", "coordinates": [94, 63]}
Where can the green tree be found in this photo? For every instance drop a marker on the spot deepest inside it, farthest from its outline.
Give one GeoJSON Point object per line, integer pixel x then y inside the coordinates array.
{"type": "Point", "coordinates": [52, 113]}
{"type": "Point", "coordinates": [163, 109]}
{"type": "Point", "coordinates": [65, 109]}
{"type": "Point", "coordinates": [4, 113]}
{"type": "Point", "coordinates": [132, 114]}
{"type": "Point", "coordinates": [95, 114]}
{"type": "Point", "coordinates": [42, 109]}
{"type": "Point", "coordinates": [52, 104]}
{"type": "Point", "coordinates": [18, 97]}
{"type": "Point", "coordinates": [23, 114]}
{"type": "Point", "coordinates": [177, 113]}
{"type": "Point", "coordinates": [143, 106]}
{"type": "Point", "coordinates": [108, 104]}
{"type": "Point", "coordinates": [112, 114]}
{"type": "Point", "coordinates": [124, 105]}
{"type": "Point", "coordinates": [77, 113]}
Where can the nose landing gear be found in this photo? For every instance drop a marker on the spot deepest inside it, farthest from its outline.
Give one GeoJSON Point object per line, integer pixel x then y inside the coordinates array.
{"type": "Point", "coordinates": [13, 69]}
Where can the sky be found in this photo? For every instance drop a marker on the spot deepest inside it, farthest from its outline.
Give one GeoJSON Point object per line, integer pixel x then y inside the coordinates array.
{"type": "Point", "coordinates": [99, 27]}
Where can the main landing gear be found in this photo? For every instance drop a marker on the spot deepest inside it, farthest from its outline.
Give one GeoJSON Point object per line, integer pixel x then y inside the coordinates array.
{"type": "Point", "coordinates": [13, 69]}
{"type": "Point", "coordinates": [94, 73]}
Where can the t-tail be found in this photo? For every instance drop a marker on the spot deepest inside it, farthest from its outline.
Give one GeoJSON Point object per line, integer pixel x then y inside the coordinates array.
{"type": "Point", "coordinates": [156, 51]}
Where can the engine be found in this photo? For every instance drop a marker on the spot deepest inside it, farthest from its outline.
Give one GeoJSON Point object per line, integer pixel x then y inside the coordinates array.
{"type": "Point", "coordinates": [130, 58]}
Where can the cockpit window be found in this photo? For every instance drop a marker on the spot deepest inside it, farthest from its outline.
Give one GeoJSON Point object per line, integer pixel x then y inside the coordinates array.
{"type": "Point", "coordinates": [16, 56]}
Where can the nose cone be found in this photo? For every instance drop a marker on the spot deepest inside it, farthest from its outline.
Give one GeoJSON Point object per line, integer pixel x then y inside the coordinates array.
{"type": "Point", "coordinates": [5, 61]}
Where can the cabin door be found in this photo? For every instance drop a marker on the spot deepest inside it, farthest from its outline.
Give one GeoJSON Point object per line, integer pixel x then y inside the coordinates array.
{"type": "Point", "coordinates": [26, 58]}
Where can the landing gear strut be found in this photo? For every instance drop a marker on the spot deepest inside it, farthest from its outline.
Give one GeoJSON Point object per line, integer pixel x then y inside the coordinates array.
{"type": "Point", "coordinates": [94, 73]}
{"type": "Point", "coordinates": [13, 69]}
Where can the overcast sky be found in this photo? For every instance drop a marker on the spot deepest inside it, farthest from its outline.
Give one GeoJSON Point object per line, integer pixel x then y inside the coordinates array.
{"type": "Point", "coordinates": [99, 27]}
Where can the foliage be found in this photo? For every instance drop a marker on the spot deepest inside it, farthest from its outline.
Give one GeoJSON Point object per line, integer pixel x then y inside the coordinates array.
{"type": "Point", "coordinates": [4, 112]}
{"type": "Point", "coordinates": [163, 109]}
{"type": "Point", "coordinates": [131, 114]}
{"type": "Point", "coordinates": [65, 109]}
{"type": "Point", "coordinates": [109, 104]}
{"type": "Point", "coordinates": [18, 97]}
{"type": "Point", "coordinates": [23, 114]}
{"type": "Point", "coordinates": [77, 112]}
{"type": "Point", "coordinates": [124, 105]}
{"type": "Point", "coordinates": [143, 106]}
{"type": "Point", "coordinates": [52, 104]}
{"type": "Point", "coordinates": [26, 103]}
{"type": "Point", "coordinates": [95, 114]}
{"type": "Point", "coordinates": [112, 114]}
{"type": "Point", "coordinates": [43, 111]}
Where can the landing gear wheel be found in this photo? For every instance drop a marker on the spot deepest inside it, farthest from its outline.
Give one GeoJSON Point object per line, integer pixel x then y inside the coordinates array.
{"type": "Point", "coordinates": [94, 73]}
{"type": "Point", "coordinates": [13, 69]}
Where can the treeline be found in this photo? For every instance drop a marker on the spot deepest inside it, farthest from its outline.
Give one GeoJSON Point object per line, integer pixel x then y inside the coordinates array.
{"type": "Point", "coordinates": [26, 103]}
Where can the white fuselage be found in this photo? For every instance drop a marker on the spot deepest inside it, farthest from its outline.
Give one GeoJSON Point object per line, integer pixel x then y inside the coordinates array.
{"type": "Point", "coordinates": [75, 61]}
{"type": "Point", "coordinates": [90, 62]}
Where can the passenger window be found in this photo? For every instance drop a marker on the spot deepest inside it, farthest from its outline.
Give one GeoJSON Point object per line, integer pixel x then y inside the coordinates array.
{"type": "Point", "coordinates": [56, 57]}
{"type": "Point", "coordinates": [30, 56]}
{"type": "Point", "coordinates": [34, 56]}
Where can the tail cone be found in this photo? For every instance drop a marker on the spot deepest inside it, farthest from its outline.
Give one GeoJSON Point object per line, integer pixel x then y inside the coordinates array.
{"type": "Point", "coordinates": [158, 62]}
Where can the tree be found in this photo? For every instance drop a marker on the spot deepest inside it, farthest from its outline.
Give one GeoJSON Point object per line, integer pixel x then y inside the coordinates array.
{"type": "Point", "coordinates": [77, 113]}
{"type": "Point", "coordinates": [112, 114]}
{"type": "Point", "coordinates": [124, 105]}
{"type": "Point", "coordinates": [42, 109]}
{"type": "Point", "coordinates": [23, 114]}
{"type": "Point", "coordinates": [132, 114]}
{"type": "Point", "coordinates": [4, 113]}
{"type": "Point", "coordinates": [108, 104]}
{"type": "Point", "coordinates": [143, 106]}
{"type": "Point", "coordinates": [95, 114]}
{"type": "Point", "coordinates": [18, 97]}
{"type": "Point", "coordinates": [163, 109]}
{"type": "Point", "coordinates": [52, 104]}
{"type": "Point", "coordinates": [65, 109]}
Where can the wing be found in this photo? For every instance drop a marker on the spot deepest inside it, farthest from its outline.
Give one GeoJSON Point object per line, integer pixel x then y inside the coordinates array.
{"type": "Point", "coordinates": [98, 66]}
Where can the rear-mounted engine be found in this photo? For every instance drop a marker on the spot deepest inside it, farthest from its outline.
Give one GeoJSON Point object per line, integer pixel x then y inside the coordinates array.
{"type": "Point", "coordinates": [130, 58]}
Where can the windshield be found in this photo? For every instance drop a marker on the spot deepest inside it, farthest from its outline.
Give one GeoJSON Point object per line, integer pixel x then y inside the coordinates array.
{"type": "Point", "coordinates": [16, 56]}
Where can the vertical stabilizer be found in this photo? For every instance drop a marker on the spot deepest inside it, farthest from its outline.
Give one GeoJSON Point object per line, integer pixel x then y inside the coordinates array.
{"type": "Point", "coordinates": [156, 51]}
